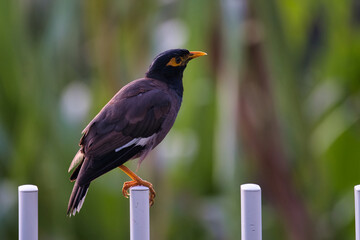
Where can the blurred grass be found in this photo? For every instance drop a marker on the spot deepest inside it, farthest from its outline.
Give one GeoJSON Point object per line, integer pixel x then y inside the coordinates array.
{"type": "Point", "coordinates": [311, 54]}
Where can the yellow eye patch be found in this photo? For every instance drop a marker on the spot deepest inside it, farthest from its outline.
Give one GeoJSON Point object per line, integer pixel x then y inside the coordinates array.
{"type": "Point", "coordinates": [175, 62]}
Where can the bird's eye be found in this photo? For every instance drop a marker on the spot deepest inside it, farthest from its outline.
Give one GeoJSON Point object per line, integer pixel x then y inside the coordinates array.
{"type": "Point", "coordinates": [175, 62]}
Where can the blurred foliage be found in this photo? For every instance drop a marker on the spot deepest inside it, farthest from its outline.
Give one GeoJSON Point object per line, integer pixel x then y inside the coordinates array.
{"type": "Point", "coordinates": [61, 61]}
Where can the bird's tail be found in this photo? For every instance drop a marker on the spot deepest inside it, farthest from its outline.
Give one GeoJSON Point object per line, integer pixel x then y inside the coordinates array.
{"type": "Point", "coordinates": [77, 198]}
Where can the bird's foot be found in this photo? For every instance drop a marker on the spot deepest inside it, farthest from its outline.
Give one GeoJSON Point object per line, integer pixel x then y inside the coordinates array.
{"type": "Point", "coordinates": [139, 182]}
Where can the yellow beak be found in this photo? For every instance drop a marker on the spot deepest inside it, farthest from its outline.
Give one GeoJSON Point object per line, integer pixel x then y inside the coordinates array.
{"type": "Point", "coordinates": [195, 54]}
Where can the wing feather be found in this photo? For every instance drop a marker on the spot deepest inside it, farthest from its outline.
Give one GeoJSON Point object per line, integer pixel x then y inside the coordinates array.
{"type": "Point", "coordinates": [136, 111]}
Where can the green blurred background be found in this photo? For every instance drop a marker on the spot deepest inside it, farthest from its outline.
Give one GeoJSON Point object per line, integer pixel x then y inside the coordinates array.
{"type": "Point", "coordinates": [275, 102]}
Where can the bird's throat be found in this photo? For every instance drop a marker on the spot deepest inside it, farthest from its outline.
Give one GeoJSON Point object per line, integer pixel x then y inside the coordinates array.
{"type": "Point", "coordinates": [174, 82]}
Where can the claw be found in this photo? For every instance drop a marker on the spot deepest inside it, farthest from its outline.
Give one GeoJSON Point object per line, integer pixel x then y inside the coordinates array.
{"type": "Point", "coordinates": [125, 189]}
{"type": "Point", "coordinates": [133, 183]}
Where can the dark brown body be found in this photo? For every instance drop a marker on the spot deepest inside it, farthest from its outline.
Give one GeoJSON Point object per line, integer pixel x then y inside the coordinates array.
{"type": "Point", "coordinates": [145, 109]}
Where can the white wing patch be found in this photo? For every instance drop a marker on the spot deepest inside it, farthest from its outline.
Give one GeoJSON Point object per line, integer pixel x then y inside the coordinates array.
{"type": "Point", "coordinates": [137, 142]}
{"type": "Point", "coordinates": [134, 141]}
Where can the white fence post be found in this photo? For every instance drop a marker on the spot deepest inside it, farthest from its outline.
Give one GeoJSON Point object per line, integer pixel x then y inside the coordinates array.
{"type": "Point", "coordinates": [357, 211]}
{"type": "Point", "coordinates": [139, 213]}
{"type": "Point", "coordinates": [251, 228]}
{"type": "Point", "coordinates": [28, 212]}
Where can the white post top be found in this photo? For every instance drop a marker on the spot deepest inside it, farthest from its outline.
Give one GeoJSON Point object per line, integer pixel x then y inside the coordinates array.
{"type": "Point", "coordinates": [251, 228]}
{"type": "Point", "coordinates": [139, 188]}
{"type": "Point", "coordinates": [250, 187]}
{"type": "Point", "coordinates": [357, 188]}
{"type": "Point", "coordinates": [139, 213]}
{"type": "Point", "coordinates": [28, 212]}
{"type": "Point", "coordinates": [28, 188]}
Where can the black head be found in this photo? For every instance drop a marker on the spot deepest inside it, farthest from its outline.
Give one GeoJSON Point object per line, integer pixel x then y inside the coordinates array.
{"type": "Point", "coordinates": [170, 65]}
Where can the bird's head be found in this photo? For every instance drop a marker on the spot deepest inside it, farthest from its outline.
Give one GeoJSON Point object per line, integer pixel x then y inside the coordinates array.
{"type": "Point", "coordinates": [169, 66]}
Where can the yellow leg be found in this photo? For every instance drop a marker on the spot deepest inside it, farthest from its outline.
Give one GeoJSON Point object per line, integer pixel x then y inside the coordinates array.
{"type": "Point", "coordinates": [136, 182]}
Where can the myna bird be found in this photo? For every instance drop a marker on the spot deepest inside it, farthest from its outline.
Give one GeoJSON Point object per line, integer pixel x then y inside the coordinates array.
{"type": "Point", "coordinates": [130, 125]}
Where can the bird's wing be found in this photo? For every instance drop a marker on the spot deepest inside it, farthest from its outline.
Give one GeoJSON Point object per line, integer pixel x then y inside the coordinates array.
{"type": "Point", "coordinates": [125, 119]}
{"type": "Point", "coordinates": [112, 137]}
